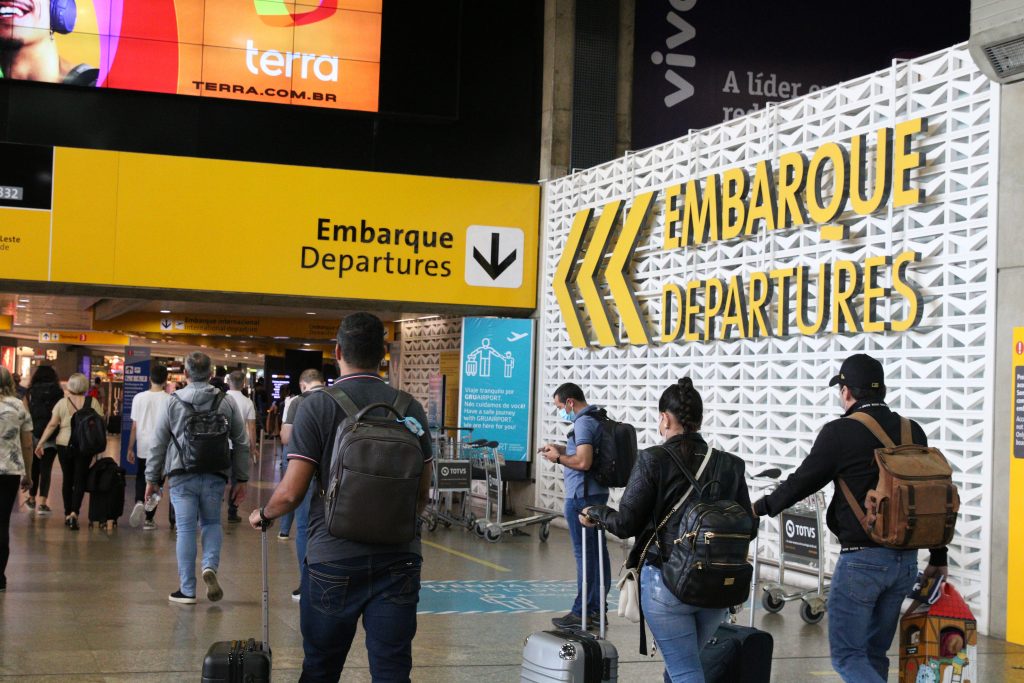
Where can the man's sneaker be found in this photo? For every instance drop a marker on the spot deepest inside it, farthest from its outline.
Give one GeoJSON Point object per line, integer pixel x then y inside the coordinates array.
{"type": "Point", "coordinates": [234, 518]}
{"type": "Point", "coordinates": [297, 594]}
{"type": "Point", "coordinates": [149, 525]}
{"type": "Point", "coordinates": [213, 590]}
{"type": "Point", "coordinates": [43, 511]}
{"type": "Point", "coordinates": [138, 514]}
{"type": "Point", "coordinates": [569, 621]}
{"type": "Point", "coordinates": [282, 536]}
{"type": "Point", "coordinates": [30, 503]}
{"type": "Point", "coordinates": [182, 599]}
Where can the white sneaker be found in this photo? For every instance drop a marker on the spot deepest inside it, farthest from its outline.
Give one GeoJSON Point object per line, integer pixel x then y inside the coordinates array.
{"type": "Point", "coordinates": [297, 594]}
{"type": "Point", "coordinates": [149, 525]}
{"type": "Point", "coordinates": [138, 514]}
{"type": "Point", "coordinates": [213, 589]}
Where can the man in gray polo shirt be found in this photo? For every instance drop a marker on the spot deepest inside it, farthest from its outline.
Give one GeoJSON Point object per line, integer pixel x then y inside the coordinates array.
{"type": "Point", "coordinates": [345, 580]}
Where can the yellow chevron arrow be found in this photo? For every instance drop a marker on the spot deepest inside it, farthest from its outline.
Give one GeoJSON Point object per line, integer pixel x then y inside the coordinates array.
{"type": "Point", "coordinates": [622, 293]}
{"type": "Point", "coordinates": [587, 279]}
{"type": "Point", "coordinates": [565, 273]}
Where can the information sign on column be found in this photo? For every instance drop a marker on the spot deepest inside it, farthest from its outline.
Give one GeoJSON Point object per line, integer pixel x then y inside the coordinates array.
{"type": "Point", "coordinates": [136, 381]}
{"type": "Point", "coordinates": [497, 368]}
{"type": "Point", "coordinates": [1015, 565]}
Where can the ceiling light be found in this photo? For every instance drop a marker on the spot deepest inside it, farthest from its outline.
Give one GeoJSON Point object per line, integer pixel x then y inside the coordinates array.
{"type": "Point", "coordinates": [164, 310]}
{"type": "Point", "coordinates": [306, 344]}
{"type": "Point", "coordinates": [280, 337]}
{"type": "Point", "coordinates": [24, 301]}
{"type": "Point", "coordinates": [152, 342]}
{"type": "Point", "coordinates": [22, 306]}
{"type": "Point", "coordinates": [49, 313]}
{"type": "Point", "coordinates": [310, 313]}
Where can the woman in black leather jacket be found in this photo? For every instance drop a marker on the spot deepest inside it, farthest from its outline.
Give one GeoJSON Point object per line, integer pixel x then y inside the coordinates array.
{"type": "Point", "coordinates": [655, 486]}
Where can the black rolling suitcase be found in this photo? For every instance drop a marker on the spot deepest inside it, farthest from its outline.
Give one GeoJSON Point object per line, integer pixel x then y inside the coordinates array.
{"type": "Point", "coordinates": [247, 660]}
{"type": "Point", "coordinates": [572, 656]}
{"type": "Point", "coordinates": [737, 654]}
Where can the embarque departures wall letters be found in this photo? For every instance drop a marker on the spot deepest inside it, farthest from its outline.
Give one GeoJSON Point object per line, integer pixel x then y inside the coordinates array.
{"type": "Point", "coordinates": [736, 204]}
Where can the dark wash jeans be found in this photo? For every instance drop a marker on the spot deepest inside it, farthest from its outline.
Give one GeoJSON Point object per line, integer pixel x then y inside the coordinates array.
{"type": "Point", "coordinates": [384, 590]}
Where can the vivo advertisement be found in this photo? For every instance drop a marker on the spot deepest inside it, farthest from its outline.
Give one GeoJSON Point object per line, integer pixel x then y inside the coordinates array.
{"type": "Point", "coordinates": [320, 53]}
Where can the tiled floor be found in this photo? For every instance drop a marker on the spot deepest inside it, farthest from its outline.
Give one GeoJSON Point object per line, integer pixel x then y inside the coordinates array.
{"type": "Point", "coordinates": [92, 606]}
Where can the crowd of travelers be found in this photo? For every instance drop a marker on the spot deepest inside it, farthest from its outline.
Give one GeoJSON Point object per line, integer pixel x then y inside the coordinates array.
{"type": "Point", "coordinates": [379, 571]}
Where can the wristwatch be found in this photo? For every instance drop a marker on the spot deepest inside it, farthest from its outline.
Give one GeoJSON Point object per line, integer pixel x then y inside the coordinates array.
{"type": "Point", "coordinates": [264, 518]}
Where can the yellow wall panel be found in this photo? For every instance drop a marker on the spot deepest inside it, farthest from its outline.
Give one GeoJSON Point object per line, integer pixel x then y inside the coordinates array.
{"type": "Point", "coordinates": [24, 244]}
{"type": "Point", "coordinates": [84, 215]}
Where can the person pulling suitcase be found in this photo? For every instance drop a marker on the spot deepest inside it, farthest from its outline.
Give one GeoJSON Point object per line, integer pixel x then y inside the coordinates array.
{"type": "Point", "coordinates": [246, 660]}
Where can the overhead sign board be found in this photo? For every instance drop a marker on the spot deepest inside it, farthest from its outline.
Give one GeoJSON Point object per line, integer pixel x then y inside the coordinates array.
{"type": "Point", "coordinates": [220, 325]}
{"type": "Point", "coordinates": [339, 234]}
{"type": "Point", "coordinates": [320, 53]}
{"type": "Point", "coordinates": [82, 337]}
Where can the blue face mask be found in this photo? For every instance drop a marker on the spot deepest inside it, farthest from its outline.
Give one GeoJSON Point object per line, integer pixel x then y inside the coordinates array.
{"type": "Point", "coordinates": [566, 416]}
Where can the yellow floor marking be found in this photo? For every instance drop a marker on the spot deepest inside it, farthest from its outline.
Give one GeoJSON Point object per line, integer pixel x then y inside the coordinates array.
{"type": "Point", "coordinates": [467, 557]}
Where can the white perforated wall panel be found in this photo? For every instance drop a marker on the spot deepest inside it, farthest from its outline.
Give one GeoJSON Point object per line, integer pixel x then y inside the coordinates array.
{"type": "Point", "coordinates": [422, 344]}
{"type": "Point", "coordinates": [765, 399]}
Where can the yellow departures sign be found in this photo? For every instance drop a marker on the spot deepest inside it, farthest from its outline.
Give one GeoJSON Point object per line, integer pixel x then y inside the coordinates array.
{"type": "Point", "coordinates": [622, 248]}
{"type": "Point", "coordinates": [735, 204]}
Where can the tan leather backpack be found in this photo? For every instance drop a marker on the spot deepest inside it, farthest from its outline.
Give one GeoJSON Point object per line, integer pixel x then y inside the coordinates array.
{"type": "Point", "coordinates": [915, 502]}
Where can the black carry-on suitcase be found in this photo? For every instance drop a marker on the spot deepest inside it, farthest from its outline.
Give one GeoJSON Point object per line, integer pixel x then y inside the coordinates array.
{"type": "Point", "coordinates": [247, 660]}
{"type": "Point", "coordinates": [739, 654]}
{"type": "Point", "coordinates": [573, 656]}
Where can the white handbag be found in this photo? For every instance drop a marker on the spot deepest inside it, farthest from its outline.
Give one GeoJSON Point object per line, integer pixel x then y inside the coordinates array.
{"type": "Point", "coordinates": [629, 596]}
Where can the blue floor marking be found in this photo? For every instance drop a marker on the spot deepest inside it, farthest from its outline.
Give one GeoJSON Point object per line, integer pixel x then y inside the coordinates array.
{"type": "Point", "coordinates": [501, 597]}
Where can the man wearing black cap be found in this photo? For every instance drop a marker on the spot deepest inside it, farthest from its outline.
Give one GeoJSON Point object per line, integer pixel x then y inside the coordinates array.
{"type": "Point", "coordinates": [869, 582]}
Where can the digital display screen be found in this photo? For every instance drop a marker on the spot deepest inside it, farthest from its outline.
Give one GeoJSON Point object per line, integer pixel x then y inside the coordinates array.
{"type": "Point", "coordinates": [320, 53]}
{"type": "Point", "coordinates": [26, 174]}
{"type": "Point", "coordinates": [278, 381]}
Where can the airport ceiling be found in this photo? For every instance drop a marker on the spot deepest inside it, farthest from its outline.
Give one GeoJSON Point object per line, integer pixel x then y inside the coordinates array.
{"type": "Point", "coordinates": [35, 313]}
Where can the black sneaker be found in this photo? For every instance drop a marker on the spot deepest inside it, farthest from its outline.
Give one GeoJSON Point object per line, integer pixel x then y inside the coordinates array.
{"type": "Point", "coordinates": [73, 524]}
{"type": "Point", "coordinates": [182, 599]}
{"type": "Point", "coordinates": [234, 519]}
{"type": "Point", "coordinates": [569, 621]}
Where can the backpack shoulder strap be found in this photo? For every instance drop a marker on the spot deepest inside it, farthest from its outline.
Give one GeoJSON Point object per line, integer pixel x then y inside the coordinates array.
{"type": "Point", "coordinates": [188, 406]}
{"type": "Point", "coordinates": [858, 511]}
{"type": "Point", "coordinates": [402, 403]}
{"type": "Point", "coordinates": [343, 400]}
{"type": "Point", "coordinates": [875, 428]}
{"type": "Point", "coordinates": [906, 435]}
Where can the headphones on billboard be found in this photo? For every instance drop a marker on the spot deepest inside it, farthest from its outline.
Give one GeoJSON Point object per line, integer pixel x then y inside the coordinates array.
{"type": "Point", "coordinates": [63, 14]}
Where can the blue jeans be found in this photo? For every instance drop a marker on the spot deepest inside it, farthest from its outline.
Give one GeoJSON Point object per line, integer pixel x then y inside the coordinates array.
{"type": "Point", "coordinates": [197, 499]}
{"type": "Point", "coordinates": [573, 508]}
{"type": "Point", "coordinates": [301, 514]}
{"type": "Point", "coordinates": [864, 602]}
{"type": "Point", "coordinates": [384, 590]}
{"type": "Point", "coordinates": [288, 517]}
{"type": "Point", "coordinates": [680, 630]}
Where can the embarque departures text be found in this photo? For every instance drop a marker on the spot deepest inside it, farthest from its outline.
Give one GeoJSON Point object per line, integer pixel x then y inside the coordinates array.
{"type": "Point", "coordinates": [790, 191]}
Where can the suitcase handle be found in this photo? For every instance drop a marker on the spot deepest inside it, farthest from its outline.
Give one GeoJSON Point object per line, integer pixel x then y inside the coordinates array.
{"type": "Point", "coordinates": [266, 588]}
{"type": "Point", "coordinates": [584, 598]}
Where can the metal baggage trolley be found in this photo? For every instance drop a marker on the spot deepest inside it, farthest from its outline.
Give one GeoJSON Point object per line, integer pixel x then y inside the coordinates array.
{"type": "Point", "coordinates": [487, 459]}
{"type": "Point", "coordinates": [802, 545]}
{"type": "Point", "coordinates": [452, 474]}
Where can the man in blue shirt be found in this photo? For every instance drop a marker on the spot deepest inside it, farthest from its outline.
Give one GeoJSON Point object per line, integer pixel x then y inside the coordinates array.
{"type": "Point", "coordinates": [581, 491]}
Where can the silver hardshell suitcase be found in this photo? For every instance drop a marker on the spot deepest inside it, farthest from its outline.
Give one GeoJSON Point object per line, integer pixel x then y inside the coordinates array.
{"type": "Point", "coordinates": [572, 656]}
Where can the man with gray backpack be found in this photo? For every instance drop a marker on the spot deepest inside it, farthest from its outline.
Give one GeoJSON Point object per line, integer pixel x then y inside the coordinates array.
{"type": "Point", "coordinates": [362, 446]}
{"type": "Point", "coordinates": [199, 443]}
{"type": "Point", "coordinates": [894, 496]}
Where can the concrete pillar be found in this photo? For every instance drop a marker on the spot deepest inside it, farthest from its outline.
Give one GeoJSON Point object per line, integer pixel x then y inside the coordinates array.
{"type": "Point", "coordinates": [1009, 314]}
{"type": "Point", "coordinates": [556, 98]}
{"type": "Point", "coordinates": [557, 84]}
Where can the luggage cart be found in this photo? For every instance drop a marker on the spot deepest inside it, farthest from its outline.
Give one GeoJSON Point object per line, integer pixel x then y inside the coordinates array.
{"type": "Point", "coordinates": [452, 474]}
{"type": "Point", "coordinates": [488, 459]}
{"type": "Point", "coordinates": [801, 544]}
